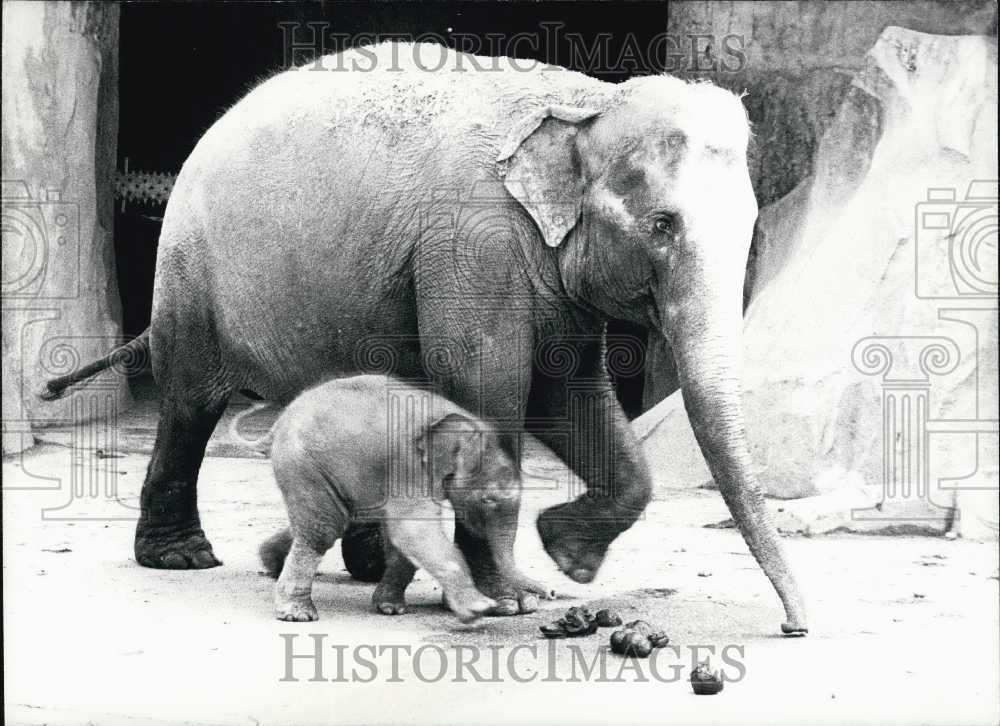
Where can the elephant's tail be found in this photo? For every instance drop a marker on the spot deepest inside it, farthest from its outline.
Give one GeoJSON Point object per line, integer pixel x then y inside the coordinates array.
{"type": "Point", "coordinates": [128, 359]}
{"type": "Point", "coordinates": [261, 444]}
{"type": "Point", "coordinates": [274, 550]}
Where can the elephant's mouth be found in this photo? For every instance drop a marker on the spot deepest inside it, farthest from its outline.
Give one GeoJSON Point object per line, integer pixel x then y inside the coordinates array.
{"type": "Point", "coordinates": [644, 309]}
{"type": "Point", "coordinates": [652, 312]}
{"type": "Point", "coordinates": [636, 307]}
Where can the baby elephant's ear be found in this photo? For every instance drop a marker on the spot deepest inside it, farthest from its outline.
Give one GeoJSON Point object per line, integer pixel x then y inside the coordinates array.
{"type": "Point", "coordinates": [440, 443]}
{"type": "Point", "coordinates": [540, 169]}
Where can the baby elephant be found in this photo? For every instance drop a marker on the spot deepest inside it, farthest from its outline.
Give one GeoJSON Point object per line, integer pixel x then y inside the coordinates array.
{"type": "Point", "coordinates": [376, 448]}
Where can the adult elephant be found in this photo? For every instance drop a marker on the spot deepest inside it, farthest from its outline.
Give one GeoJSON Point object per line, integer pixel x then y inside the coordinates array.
{"type": "Point", "coordinates": [475, 222]}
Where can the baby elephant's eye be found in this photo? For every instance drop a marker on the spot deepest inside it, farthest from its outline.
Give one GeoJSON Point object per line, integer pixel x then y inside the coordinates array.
{"type": "Point", "coordinates": [664, 225]}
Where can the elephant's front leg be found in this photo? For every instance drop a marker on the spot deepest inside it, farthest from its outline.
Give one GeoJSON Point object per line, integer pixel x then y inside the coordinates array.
{"type": "Point", "coordinates": [510, 599]}
{"type": "Point", "coordinates": [419, 538]}
{"type": "Point", "coordinates": [491, 379]}
{"type": "Point", "coordinates": [580, 419]}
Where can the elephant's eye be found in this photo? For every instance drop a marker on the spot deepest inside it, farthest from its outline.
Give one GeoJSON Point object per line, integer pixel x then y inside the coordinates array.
{"type": "Point", "coordinates": [664, 225]}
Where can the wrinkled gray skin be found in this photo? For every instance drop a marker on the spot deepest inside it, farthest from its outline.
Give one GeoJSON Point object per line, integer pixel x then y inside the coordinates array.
{"type": "Point", "coordinates": [337, 452]}
{"type": "Point", "coordinates": [481, 212]}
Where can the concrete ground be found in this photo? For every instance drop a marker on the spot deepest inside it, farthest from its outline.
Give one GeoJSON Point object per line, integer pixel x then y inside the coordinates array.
{"type": "Point", "coordinates": [904, 630]}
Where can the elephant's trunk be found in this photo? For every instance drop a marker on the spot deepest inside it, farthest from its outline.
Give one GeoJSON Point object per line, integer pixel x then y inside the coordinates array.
{"type": "Point", "coordinates": [704, 320]}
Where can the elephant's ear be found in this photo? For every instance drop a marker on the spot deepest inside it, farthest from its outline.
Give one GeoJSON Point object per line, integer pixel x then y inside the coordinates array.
{"type": "Point", "coordinates": [542, 171]}
{"type": "Point", "coordinates": [439, 446]}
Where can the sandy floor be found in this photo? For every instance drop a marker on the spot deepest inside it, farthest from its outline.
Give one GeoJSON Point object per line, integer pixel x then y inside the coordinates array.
{"type": "Point", "coordinates": [904, 630]}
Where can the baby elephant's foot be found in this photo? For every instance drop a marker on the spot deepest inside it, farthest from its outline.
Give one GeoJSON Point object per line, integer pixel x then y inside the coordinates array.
{"type": "Point", "coordinates": [388, 601]}
{"type": "Point", "coordinates": [511, 596]}
{"type": "Point", "coordinates": [512, 593]}
{"type": "Point", "coordinates": [296, 611]}
{"type": "Point", "coordinates": [469, 605]}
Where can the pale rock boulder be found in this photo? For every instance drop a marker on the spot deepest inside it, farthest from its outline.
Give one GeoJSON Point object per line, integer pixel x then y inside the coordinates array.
{"type": "Point", "coordinates": [870, 362]}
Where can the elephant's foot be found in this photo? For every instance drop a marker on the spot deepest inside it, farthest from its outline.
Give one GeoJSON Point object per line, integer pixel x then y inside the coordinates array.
{"type": "Point", "coordinates": [526, 584]}
{"type": "Point", "coordinates": [173, 547]}
{"type": "Point", "coordinates": [794, 629]}
{"type": "Point", "coordinates": [469, 605]}
{"type": "Point", "coordinates": [506, 598]}
{"type": "Point", "coordinates": [512, 601]}
{"type": "Point", "coordinates": [363, 551]}
{"type": "Point", "coordinates": [509, 598]}
{"type": "Point", "coordinates": [389, 600]}
{"type": "Point", "coordinates": [296, 610]}
{"type": "Point", "coordinates": [576, 543]}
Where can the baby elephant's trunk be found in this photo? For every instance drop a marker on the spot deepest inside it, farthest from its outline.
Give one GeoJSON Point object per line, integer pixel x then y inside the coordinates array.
{"type": "Point", "coordinates": [274, 550]}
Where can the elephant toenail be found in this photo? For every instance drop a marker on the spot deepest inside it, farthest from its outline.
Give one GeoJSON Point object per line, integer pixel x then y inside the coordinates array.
{"type": "Point", "coordinates": [175, 561]}
{"type": "Point", "coordinates": [506, 607]}
{"type": "Point", "coordinates": [205, 559]}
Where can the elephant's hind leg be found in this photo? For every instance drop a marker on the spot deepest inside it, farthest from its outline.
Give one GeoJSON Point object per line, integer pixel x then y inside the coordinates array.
{"type": "Point", "coordinates": [363, 547]}
{"type": "Point", "coordinates": [389, 597]}
{"type": "Point", "coordinates": [169, 534]}
{"type": "Point", "coordinates": [293, 591]}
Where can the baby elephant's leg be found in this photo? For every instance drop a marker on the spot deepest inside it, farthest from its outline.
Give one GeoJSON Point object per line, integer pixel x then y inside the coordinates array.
{"type": "Point", "coordinates": [293, 591]}
{"type": "Point", "coordinates": [425, 545]}
{"type": "Point", "coordinates": [317, 518]}
{"type": "Point", "coordinates": [389, 596]}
